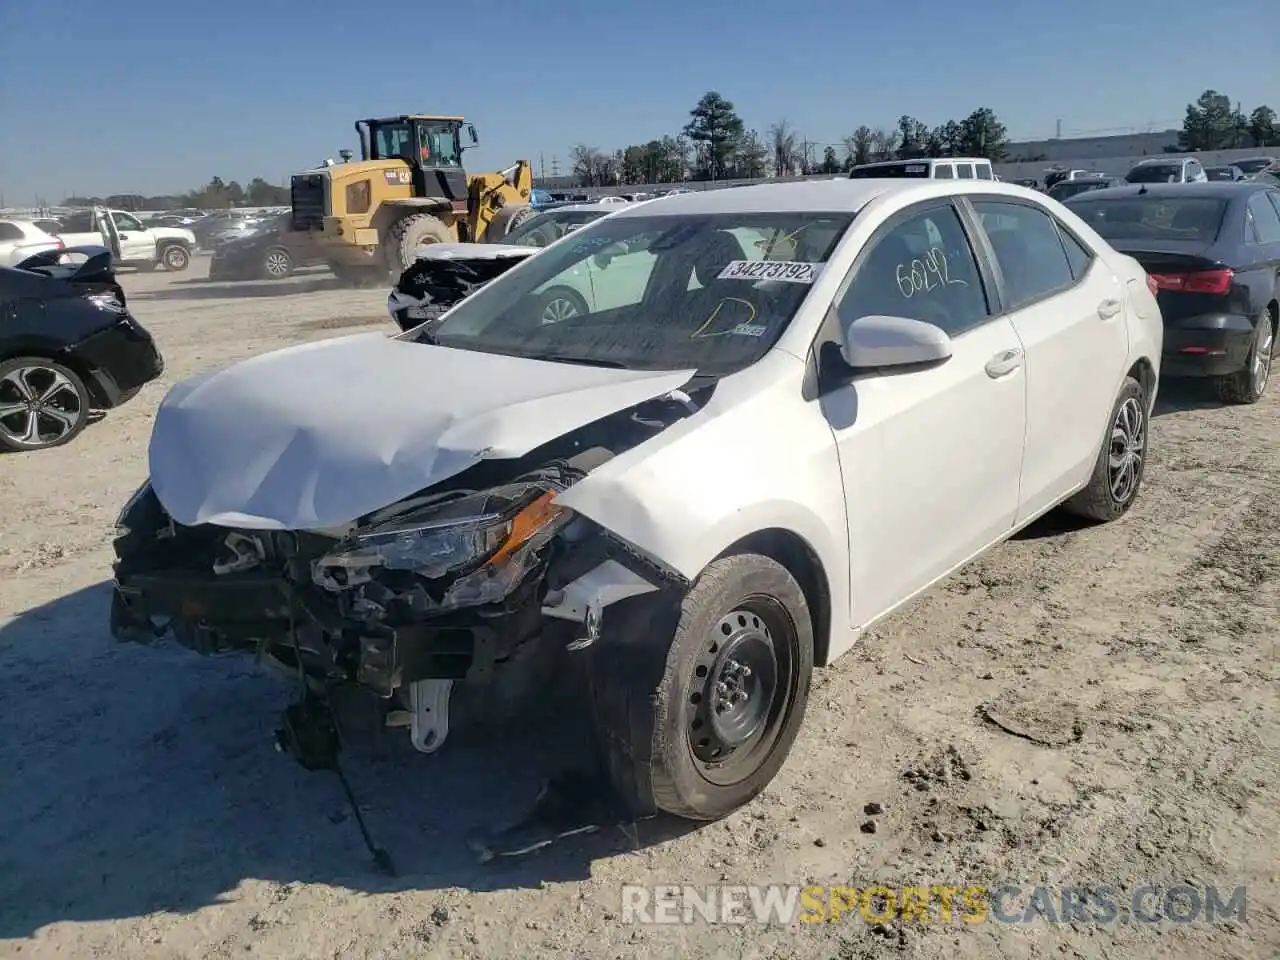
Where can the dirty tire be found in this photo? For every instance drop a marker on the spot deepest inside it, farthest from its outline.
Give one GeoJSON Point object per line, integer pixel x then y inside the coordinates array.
{"type": "Point", "coordinates": [277, 264]}
{"type": "Point", "coordinates": [561, 303]}
{"type": "Point", "coordinates": [670, 728]}
{"type": "Point", "coordinates": [1113, 487]}
{"type": "Point", "coordinates": [406, 235]}
{"type": "Point", "coordinates": [24, 378]}
{"type": "Point", "coordinates": [506, 220]}
{"type": "Point", "coordinates": [175, 258]}
{"type": "Point", "coordinates": [1248, 385]}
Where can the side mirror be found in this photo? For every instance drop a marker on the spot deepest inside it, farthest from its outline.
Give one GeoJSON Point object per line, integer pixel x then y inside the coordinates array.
{"type": "Point", "coordinates": [878, 341]}
{"type": "Point", "coordinates": [471, 134]}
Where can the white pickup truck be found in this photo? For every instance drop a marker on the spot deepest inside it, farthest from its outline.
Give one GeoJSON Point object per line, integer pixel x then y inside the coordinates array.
{"type": "Point", "coordinates": [141, 247]}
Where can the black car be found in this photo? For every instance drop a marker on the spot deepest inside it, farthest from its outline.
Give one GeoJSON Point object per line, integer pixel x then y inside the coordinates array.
{"type": "Point", "coordinates": [68, 345]}
{"type": "Point", "coordinates": [259, 254]}
{"type": "Point", "coordinates": [1254, 165]}
{"type": "Point", "coordinates": [1213, 252]}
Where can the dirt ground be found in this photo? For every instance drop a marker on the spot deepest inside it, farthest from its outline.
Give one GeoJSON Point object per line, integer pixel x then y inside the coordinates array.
{"type": "Point", "coordinates": [1081, 707]}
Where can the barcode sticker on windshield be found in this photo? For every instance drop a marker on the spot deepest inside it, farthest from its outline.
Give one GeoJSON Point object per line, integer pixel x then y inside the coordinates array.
{"type": "Point", "coordinates": [771, 270]}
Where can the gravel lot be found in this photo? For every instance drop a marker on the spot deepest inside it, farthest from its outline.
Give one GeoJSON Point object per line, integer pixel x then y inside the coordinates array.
{"type": "Point", "coordinates": [1083, 706]}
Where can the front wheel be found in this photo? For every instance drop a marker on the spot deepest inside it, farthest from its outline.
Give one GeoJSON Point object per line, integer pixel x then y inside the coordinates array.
{"type": "Point", "coordinates": [1117, 474]}
{"type": "Point", "coordinates": [731, 698]}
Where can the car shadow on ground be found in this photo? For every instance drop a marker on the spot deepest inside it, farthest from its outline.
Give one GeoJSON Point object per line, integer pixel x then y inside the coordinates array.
{"type": "Point", "coordinates": [1182, 396]}
{"type": "Point", "coordinates": [143, 779]}
{"type": "Point", "coordinates": [202, 289]}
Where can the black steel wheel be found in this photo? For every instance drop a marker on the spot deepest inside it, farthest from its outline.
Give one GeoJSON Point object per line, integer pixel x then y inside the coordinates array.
{"type": "Point", "coordinates": [731, 698]}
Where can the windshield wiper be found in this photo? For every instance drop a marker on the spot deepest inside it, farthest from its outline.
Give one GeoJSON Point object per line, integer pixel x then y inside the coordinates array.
{"type": "Point", "coordinates": [585, 361]}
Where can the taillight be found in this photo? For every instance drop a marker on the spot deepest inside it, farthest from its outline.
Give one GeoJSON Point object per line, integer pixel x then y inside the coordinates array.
{"type": "Point", "coordinates": [1152, 285]}
{"type": "Point", "coordinates": [1200, 281]}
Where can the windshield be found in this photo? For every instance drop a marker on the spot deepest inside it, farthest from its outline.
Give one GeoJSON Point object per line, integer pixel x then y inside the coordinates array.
{"type": "Point", "coordinates": [651, 293]}
{"type": "Point", "coordinates": [545, 229]}
{"type": "Point", "coordinates": [1156, 173]}
{"type": "Point", "coordinates": [1152, 218]}
{"type": "Point", "coordinates": [895, 170]}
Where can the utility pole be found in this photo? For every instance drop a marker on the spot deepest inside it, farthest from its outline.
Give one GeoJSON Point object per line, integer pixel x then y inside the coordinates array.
{"type": "Point", "coordinates": [1058, 135]}
{"type": "Point", "coordinates": [555, 166]}
{"type": "Point", "coordinates": [542, 166]}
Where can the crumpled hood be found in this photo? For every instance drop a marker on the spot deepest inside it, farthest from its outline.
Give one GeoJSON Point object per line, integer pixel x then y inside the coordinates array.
{"type": "Point", "coordinates": [315, 436]}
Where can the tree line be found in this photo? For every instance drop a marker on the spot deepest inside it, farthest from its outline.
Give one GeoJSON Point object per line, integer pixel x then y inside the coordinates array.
{"type": "Point", "coordinates": [717, 145]}
{"type": "Point", "coordinates": [1213, 122]}
{"type": "Point", "coordinates": [217, 194]}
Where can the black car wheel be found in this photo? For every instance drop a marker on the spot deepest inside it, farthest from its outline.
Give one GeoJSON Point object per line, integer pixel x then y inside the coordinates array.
{"type": "Point", "coordinates": [277, 264]}
{"type": "Point", "coordinates": [42, 404]}
{"type": "Point", "coordinates": [731, 698]}
{"type": "Point", "coordinates": [1248, 385]}
{"type": "Point", "coordinates": [175, 258]}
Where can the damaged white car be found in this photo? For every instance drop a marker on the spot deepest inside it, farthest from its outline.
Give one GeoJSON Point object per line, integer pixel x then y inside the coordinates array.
{"type": "Point", "coordinates": [822, 398]}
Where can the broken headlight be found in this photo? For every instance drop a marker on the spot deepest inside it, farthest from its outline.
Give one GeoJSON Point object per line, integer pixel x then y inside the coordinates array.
{"type": "Point", "coordinates": [464, 534]}
{"type": "Point", "coordinates": [122, 521]}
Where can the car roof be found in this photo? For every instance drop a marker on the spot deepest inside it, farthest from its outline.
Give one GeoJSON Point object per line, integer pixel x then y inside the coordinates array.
{"type": "Point", "coordinates": [840, 195]}
{"type": "Point", "coordinates": [1152, 161]}
{"type": "Point", "coordinates": [1221, 189]}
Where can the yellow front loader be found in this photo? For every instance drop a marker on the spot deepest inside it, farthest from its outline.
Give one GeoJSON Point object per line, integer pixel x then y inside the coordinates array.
{"type": "Point", "coordinates": [366, 218]}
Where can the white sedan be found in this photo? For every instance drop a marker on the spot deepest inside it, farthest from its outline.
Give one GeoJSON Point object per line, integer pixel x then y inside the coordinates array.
{"type": "Point", "coordinates": [21, 239]}
{"type": "Point", "coordinates": [823, 398]}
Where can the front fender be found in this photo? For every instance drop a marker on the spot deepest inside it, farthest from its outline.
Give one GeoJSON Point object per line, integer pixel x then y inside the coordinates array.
{"type": "Point", "coordinates": [757, 457]}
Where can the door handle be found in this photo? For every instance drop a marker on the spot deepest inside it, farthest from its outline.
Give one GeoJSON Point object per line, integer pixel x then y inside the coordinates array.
{"type": "Point", "coordinates": [1108, 309]}
{"type": "Point", "coordinates": [124, 236]}
{"type": "Point", "coordinates": [1004, 363]}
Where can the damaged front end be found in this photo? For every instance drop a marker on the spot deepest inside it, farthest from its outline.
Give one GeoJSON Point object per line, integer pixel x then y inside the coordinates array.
{"type": "Point", "coordinates": [470, 580]}
{"type": "Point", "coordinates": [441, 278]}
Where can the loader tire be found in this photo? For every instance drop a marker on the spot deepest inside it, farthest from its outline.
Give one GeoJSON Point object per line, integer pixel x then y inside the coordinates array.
{"type": "Point", "coordinates": [409, 233]}
{"type": "Point", "coordinates": [506, 220]}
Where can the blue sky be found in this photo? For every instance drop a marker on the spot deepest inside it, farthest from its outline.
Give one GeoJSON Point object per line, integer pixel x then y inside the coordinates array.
{"type": "Point", "coordinates": [147, 97]}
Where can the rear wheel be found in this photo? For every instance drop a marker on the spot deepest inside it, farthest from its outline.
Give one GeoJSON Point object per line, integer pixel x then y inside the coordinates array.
{"type": "Point", "coordinates": [406, 235]}
{"type": "Point", "coordinates": [42, 404]}
{"type": "Point", "coordinates": [277, 264]}
{"type": "Point", "coordinates": [561, 303]}
{"type": "Point", "coordinates": [1248, 385]}
{"type": "Point", "coordinates": [1117, 474]}
{"type": "Point", "coordinates": [175, 258]}
{"type": "Point", "coordinates": [731, 698]}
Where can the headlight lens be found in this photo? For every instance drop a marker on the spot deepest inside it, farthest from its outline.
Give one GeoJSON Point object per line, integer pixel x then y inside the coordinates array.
{"type": "Point", "coordinates": [450, 536]}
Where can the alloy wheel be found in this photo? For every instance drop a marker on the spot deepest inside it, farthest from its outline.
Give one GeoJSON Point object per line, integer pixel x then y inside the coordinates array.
{"type": "Point", "coordinates": [1262, 356]}
{"type": "Point", "coordinates": [561, 308]}
{"type": "Point", "coordinates": [277, 264]}
{"type": "Point", "coordinates": [1128, 447]}
{"type": "Point", "coordinates": [38, 406]}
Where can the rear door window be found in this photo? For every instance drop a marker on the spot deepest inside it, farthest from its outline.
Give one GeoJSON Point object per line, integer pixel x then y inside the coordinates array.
{"type": "Point", "coordinates": [984, 171]}
{"type": "Point", "coordinates": [1266, 222]}
{"type": "Point", "coordinates": [944, 171]}
{"type": "Point", "coordinates": [965, 171]}
{"type": "Point", "coordinates": [1028, 249]}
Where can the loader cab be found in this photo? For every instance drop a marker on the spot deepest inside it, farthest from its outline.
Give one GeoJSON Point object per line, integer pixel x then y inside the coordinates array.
{"type": "Point", "coordinates": [430, 146]}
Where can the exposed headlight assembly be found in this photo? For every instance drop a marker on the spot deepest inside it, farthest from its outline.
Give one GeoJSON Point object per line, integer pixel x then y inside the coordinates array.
{"type": "Point", "coordinates": [489, 538]}
{"type": "Point", "coordinates": [122, 521]}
